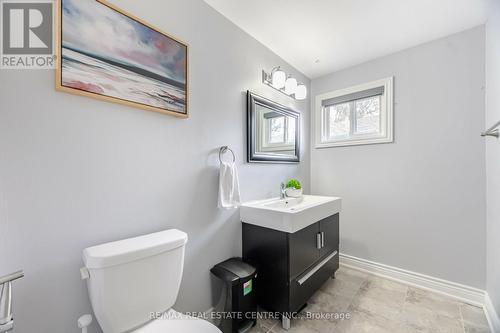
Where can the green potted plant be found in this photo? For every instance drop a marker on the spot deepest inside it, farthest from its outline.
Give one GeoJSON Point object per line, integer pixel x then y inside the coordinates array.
{"type": "Point", "coordinates": [293, 188]}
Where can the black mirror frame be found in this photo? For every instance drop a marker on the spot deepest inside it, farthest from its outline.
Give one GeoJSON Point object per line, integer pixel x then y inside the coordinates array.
{"type": "Point", "coordinates": [252, 157]}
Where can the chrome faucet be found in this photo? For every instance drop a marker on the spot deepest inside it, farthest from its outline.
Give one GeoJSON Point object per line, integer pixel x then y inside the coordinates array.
{"type": "Point", "coordinates": [6, 319]}
{"type": "Point", "coordinates": [282, 191]}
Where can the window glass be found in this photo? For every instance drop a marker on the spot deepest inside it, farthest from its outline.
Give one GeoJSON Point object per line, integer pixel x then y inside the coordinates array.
{"type": "Point", "coordinates": [339, 124]}
{"type": "Point", "coordinates": [367, 115]}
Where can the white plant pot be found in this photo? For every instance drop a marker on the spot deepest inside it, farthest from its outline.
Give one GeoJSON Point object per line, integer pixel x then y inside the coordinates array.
{"type": "Point", "coordinates": [293, 192]}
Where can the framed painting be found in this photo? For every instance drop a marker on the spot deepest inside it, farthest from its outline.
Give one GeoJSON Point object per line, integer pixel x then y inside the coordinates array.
{"type": "Point", "coordinates": [108, 54]}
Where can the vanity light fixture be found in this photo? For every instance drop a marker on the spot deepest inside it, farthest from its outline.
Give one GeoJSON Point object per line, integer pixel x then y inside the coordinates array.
{"type": "Point", "coordinates": [301, 92]}
{"type": "Point", "coordinates": [278, 78]}
{"type": "Point", "coordinates": [290, 85]}
{"type": "Point", "coordinates": [286, 84]}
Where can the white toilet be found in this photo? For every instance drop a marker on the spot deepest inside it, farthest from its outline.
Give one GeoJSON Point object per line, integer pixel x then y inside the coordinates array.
{"type": "Point", "coordinates": [133, 281]}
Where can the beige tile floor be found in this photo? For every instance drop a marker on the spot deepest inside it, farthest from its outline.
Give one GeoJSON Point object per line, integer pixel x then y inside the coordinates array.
{"type": "Point", "coordinates": [379, 305]}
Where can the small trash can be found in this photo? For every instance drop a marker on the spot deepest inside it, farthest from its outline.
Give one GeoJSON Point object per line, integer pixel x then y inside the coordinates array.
{"type": "Point", "coordinates": [237, 307]}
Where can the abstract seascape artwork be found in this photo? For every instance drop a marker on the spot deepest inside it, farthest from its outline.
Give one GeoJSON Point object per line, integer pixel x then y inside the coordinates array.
{"type": "Point", "coordinates": [108, 54]}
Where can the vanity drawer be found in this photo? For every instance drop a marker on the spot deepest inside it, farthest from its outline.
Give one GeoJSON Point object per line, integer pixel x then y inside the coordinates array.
{"type": "Point", "coordinates": [306, 284]}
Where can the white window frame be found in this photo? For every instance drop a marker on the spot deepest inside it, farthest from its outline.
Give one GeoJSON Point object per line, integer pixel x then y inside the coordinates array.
{"type": "Point", "coordinates": [386, 116]}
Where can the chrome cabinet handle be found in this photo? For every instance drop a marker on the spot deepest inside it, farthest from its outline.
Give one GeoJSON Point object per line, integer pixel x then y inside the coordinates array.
{"type": "Point", "coordinates": [318, 241]}
{"type": "Point", "coordinates": [322, 239]}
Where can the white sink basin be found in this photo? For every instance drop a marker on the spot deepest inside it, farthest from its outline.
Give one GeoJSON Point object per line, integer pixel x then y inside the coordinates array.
{"type": "Point", "coordinates": [289, 203]}
{"type": "Point", "coordinates": [289, 214]}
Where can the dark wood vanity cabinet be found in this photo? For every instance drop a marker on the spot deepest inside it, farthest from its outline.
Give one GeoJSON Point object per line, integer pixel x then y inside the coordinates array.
{"type": "Point", "coordinates": [291, 266]}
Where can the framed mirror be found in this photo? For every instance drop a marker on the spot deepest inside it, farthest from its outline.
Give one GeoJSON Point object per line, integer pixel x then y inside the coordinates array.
{"type": "Point", "coordinates": [273, 131]}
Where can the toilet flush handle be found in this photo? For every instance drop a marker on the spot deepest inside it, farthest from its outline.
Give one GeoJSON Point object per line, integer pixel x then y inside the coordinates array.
{"type": "Point", "coordinates": [84, 273]}
{"type": "Point", "coordinates": [84, 321]}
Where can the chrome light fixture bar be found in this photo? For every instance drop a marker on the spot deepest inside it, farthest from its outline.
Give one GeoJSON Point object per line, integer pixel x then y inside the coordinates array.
{"type": "Point", "coordinates": [284, 83]}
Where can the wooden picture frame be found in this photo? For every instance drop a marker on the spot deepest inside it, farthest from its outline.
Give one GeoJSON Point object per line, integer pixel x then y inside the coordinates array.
{"type": "Point", "coordinates": [86, 72]}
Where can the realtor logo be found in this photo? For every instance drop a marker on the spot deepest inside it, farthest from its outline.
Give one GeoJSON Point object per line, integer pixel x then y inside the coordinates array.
{"type": "Point", "coordinates": [27, 34]}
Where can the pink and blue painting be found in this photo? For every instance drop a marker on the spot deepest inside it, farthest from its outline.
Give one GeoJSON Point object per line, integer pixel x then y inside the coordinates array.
{"type": "Point", "coordinates": [109, 54]}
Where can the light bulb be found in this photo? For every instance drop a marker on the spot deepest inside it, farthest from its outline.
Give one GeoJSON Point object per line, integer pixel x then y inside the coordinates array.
{"type": "Point", "coordinates": [301, 92]}
{"type": "Point", "coordinates": [290, 85]}
{"type": "Point", "coordinates": [278, 79]}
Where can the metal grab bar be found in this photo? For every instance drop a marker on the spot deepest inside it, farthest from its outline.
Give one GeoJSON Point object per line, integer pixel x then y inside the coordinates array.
{"type": "Point", "coordinates": [492, 131]}
{"type": "Point", "coordinates": [6, 318]}
{"type": "Point", "coordinates": [11, 277]}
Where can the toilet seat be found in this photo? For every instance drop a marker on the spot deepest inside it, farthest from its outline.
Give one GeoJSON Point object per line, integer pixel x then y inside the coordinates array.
{"type": "Point", "coordinates": [173, 321]}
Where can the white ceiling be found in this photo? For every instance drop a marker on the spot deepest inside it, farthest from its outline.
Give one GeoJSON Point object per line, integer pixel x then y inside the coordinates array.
{"type": "Point", "coordinates": [321, 36]}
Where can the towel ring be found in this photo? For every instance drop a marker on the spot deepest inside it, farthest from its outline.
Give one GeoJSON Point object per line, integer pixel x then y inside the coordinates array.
{"type": "Point", "coordinates": [223, 150]}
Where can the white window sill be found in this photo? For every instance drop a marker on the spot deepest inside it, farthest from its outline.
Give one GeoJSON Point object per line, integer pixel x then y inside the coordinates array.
{"type": "Point", "coordinates": [351, 142]}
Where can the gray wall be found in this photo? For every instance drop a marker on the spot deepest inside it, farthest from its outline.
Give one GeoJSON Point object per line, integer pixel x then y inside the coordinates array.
{"type": "Point", "coordinates": [76, 172]}
{"type": "Point", "coordinates": [417, 203]}
{"type": "Point", "coordinates": [493, 154]}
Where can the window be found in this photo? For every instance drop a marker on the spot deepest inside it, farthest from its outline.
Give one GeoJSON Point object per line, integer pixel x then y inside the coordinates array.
{"type": "Point", "coordinates": [354, 116]}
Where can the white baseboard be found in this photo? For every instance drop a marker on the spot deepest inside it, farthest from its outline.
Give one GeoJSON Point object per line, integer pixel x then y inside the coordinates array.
{"type": "Point", "coordinates": [461, 292]}
{"type": "Point", "coordinates": [491, 314]}
{"type": "Point", "coordinates": [458, 291]}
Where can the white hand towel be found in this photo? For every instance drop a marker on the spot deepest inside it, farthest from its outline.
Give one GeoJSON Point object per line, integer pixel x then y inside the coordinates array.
{"type": "Point", "coordinates": [229, 186]}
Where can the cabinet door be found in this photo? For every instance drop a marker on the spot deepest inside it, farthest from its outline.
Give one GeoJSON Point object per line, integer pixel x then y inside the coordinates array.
{"type": "Point", "coordinates": [329, 229]}
{"type": "Point", "coordinates": [303, 249]}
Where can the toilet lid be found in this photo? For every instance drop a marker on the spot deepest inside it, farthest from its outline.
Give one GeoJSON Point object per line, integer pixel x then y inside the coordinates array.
{"type": "Point", "coordinates": [172, 321]}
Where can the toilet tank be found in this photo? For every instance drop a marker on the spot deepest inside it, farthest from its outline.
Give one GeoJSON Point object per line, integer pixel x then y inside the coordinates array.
{"type": "Point", "coordinates": [132, 279]}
